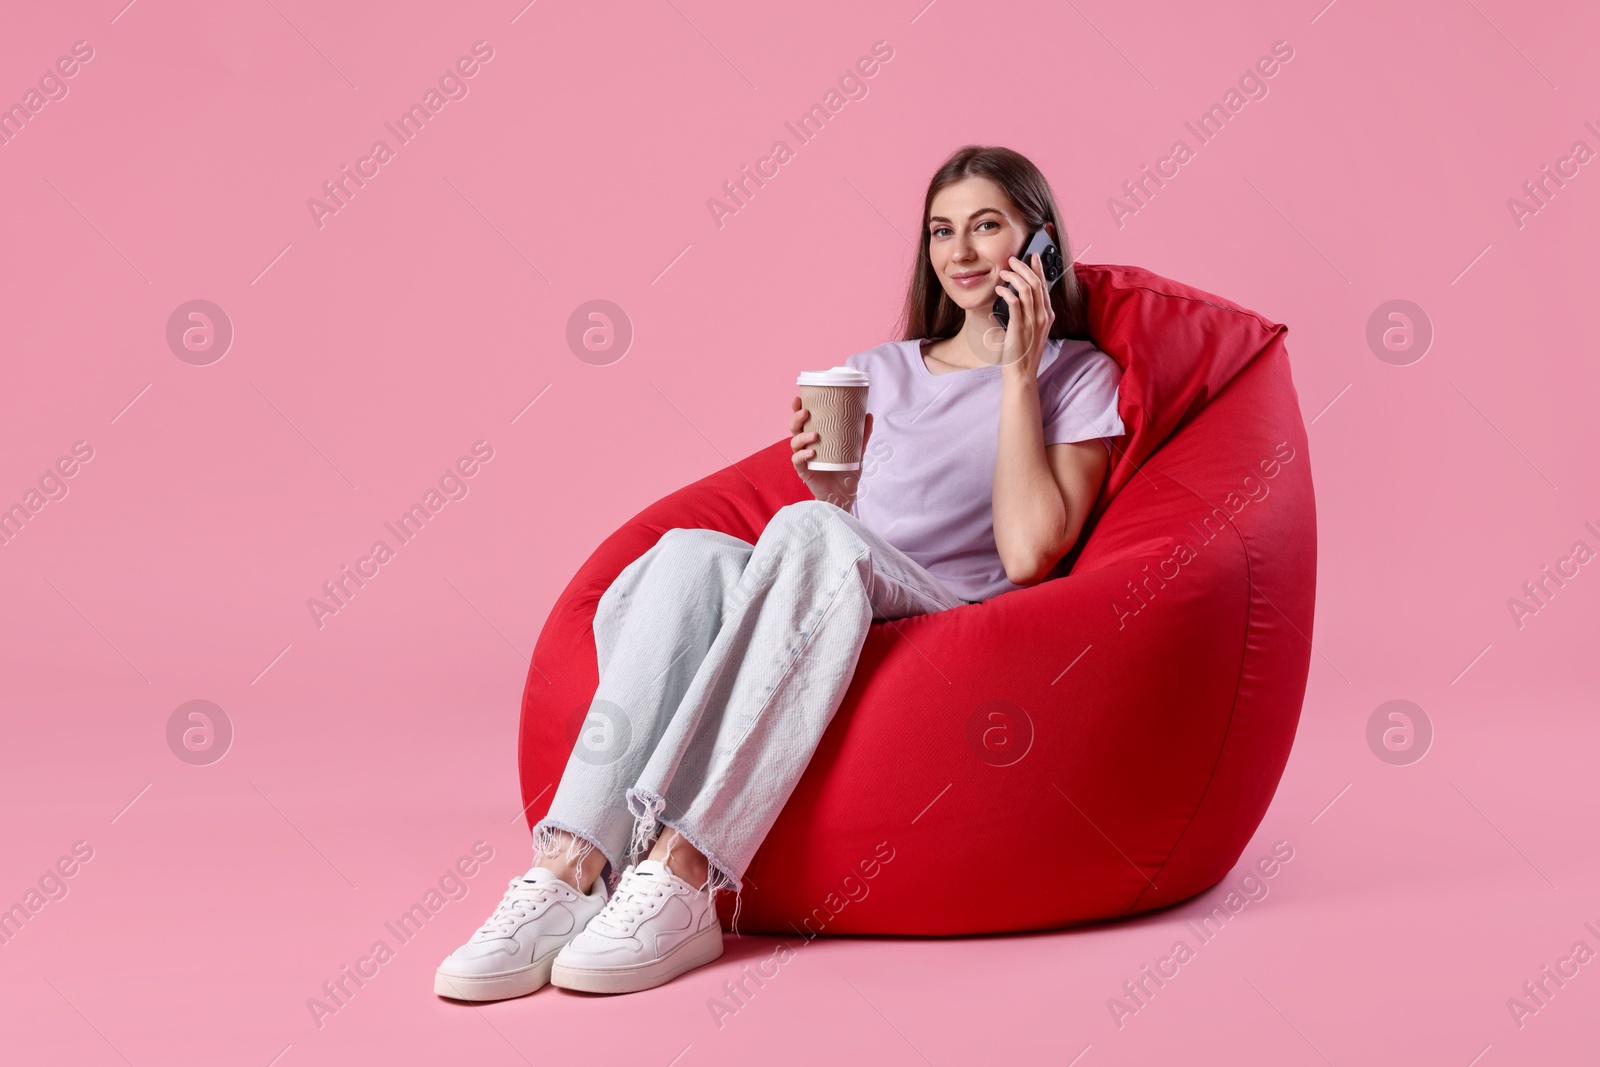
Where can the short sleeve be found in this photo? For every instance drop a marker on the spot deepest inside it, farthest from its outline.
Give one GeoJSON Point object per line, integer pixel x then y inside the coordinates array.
{"type": "Point", "coordinates": [856, 361]}
{"type": "Point", "coordinates": [1083, 406]}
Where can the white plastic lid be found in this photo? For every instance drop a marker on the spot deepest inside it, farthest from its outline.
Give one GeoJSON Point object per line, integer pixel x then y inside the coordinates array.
{"type": "Point", "coordinates": [833, 376]}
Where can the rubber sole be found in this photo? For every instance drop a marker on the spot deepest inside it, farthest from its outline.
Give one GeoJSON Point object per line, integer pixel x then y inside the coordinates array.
{"type": "Point", "coordinates": [696, 951]}
{"type": "Point", "coordinates": [518, 983]}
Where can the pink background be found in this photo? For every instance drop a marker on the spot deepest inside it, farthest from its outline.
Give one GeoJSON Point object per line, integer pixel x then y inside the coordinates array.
{"type": "Point", "coordinates": [427, 314]}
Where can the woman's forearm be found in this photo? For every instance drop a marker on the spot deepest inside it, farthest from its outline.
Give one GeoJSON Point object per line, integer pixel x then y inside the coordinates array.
{"type": "Point", "coordinates": [1030, 518]}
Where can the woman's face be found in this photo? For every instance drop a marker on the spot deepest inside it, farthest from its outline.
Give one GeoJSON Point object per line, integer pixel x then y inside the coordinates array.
{"type": "Point", "coordinates": [973, 231]}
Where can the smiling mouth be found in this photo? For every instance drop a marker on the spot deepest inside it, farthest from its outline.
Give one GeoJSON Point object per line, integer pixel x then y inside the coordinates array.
{"type": "Point", "coordinates": [967, 281]}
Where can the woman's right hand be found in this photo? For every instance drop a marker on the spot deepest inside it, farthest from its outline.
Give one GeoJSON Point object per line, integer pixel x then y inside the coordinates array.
{"type": "Point", "coordinates": [836, 487]}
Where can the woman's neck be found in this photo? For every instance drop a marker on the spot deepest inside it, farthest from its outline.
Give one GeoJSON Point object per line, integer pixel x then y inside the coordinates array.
{"type": "Point", "coordinates": [971, 346]}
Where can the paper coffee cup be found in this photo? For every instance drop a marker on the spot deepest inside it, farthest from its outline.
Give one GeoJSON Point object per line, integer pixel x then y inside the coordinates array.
{"type": "Point", "coordinates": [836, 400]}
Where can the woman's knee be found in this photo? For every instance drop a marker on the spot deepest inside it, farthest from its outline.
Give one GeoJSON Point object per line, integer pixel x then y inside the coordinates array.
{"type": "Point", "coordinates": [806, 537]}
{"type": "Point", "coordinates": [681, 556]}
{"type": "Point", "coordinates": [695, 556]}
{"type": "Point", "coordinates": [700, 545]}
{"type": "Point", "coordinates": [803, 516]}
{"type": "Point", "coordinates": [808, 522]}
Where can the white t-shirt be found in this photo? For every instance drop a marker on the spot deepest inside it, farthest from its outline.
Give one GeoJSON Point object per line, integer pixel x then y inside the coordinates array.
{"type": "Point", "coordinates": [927, 477]}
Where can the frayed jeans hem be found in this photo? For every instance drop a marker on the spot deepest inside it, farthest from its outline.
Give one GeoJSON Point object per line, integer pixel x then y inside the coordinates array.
{"type": "Point", "coordinates": [647, 809]}
{"type": "Point", "coordinates": [576, 850]}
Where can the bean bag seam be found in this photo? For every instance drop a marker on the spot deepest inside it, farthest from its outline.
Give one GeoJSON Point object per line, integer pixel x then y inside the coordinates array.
{"type": "Point", "coordinates": [1238, 684]}
{"type": "Point", "coordinates": [1233, 710]}
{"type": "Point", "coordinates": [1270, 326]}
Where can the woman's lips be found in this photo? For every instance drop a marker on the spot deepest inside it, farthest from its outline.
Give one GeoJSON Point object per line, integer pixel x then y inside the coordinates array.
{"type": "Point", "coordinates": [971, 280]}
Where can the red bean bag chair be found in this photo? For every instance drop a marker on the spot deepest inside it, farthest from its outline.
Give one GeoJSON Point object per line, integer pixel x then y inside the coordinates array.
{"type": "Point", "coordinates": [1114, 732]}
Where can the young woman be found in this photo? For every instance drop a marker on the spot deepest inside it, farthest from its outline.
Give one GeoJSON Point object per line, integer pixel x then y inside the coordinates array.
{"type": "Point", "coordinates": [722, 662]}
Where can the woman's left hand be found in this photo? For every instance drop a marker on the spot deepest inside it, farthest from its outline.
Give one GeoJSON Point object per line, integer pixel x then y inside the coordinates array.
{"type": "Point", "coordinates": [1031, 318]}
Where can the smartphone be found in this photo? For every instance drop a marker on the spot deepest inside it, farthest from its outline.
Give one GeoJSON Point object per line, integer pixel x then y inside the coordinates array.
{"type": "Point", "coordinates": [1050, 258]}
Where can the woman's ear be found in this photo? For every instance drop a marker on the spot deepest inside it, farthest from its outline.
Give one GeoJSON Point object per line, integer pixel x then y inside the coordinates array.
{"type": "Point", "coordinates": [1050, 228]}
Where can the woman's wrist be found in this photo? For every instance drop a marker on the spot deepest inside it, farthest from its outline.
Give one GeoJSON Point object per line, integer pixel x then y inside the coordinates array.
{"type": "Point", "coordinates": [835, 495]}
{"type": "Point", "coordinates": [1018, 375]}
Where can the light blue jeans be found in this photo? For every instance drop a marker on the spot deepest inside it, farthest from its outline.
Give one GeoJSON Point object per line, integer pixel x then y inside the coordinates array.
{"type": "Point", "coordinates": [721, 664]}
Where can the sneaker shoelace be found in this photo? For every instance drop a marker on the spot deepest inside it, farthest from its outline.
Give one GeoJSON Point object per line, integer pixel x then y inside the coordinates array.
{"type": "Point", "coordinates": [630, 902]}
{"type": "Point", "coordinates": [520, 901]}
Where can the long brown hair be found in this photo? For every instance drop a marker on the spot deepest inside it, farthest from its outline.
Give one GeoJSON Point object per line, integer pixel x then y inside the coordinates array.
{"type": "Point", "coordinates": [929, 311]}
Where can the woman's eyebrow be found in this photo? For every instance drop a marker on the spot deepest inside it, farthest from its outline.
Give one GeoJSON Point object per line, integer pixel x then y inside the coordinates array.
{"type": "Point", "coordinates": [975, 214]}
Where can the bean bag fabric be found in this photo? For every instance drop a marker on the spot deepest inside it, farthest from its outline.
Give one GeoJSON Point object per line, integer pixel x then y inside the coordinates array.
{"type": "Point", "coordinates": [1114, 732]}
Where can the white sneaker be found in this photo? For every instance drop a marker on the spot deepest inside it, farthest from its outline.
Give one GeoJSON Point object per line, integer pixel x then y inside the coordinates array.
{"type": "Point", "coordinates": [655, 927]}
{"type": "Point", "coordinates": [511, 954]}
